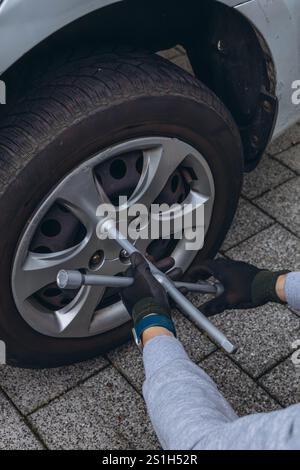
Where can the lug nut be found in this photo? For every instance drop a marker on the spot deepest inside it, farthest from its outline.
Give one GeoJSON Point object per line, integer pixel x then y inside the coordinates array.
{"type": "Point", "coordinates": [124, 256]}
{"type": "Point", "coordinates": [96, 260]}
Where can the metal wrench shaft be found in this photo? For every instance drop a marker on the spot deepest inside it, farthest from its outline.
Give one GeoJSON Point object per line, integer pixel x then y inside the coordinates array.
{"type": "Point", "coordinates": [75, 279]}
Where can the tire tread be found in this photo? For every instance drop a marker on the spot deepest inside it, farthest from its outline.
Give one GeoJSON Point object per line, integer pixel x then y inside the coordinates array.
{"type": "Point", "coordinates": [73, 90]}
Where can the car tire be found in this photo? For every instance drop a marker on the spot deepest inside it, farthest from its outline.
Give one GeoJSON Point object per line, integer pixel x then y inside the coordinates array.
{"type": "Point", "coordinates": [82, 106]}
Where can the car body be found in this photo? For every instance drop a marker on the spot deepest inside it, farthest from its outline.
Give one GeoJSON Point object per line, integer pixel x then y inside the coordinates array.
{"type": "Point", "coordinates": [277, 21]}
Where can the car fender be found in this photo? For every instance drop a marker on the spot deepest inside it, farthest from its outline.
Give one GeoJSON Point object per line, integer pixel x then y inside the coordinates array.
{"type": "Point", "coordinates": [278, 22]}
{"type": "Point", "coordinates": [35, 20]}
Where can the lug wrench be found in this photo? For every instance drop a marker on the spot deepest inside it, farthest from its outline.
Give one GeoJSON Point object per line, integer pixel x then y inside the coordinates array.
{"type": "Point", "coordinates": [75, 279]}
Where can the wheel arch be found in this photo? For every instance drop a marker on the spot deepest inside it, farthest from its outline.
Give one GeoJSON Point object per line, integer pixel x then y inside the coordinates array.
{"type": "Point", "coordinates": [162, 25]}
{"type": "Point", "coordinates": [36, 21]}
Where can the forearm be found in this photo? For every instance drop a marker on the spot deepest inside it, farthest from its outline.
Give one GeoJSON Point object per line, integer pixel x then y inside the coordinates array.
{"type": "Point", "coordinates": [292, 290]}
{"type": "Point", "coordinates": [188, 412]}
{"type": "Point", "coordinates": [181, 398]}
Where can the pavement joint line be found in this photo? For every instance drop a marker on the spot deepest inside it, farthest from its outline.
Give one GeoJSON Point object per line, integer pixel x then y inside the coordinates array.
{"type": "Point", "coordinates": [255, 379]}
{"type": "Point", "coordinates": [267, 372]}
{"type": "Point", "coordinates": [36, 433]}
{"type": "Point", "coordinates": [131, 446]}
{"type": "Point", "coordinates": [24, 419]}
{"type": "Point", "coordinates": [80, 382]}
{"type": "Point", "coordinates": [276, 186]}
{"type": "Point", "coordinates": [295, 177]}
{"type": "Point", "coordinates": [273, 218]}
{"type": "Point", "coordinates": [269, 394]}
{"type": "Point", "coordinates": [225, 253]}
{"type": "Point", "coordinates": [294, 312]}
{"type": "Point", "coordinates": [241, 368]}
{"type": "Point", "coordinates": [248, 237]}
{"type": "Point", "coordinates": [283, 226]}
{"type": "Point", "coordinates": [280, 361]}
{"type": "Point", "coordinates": [125, 377]}
{"type": "Point", "coordinates": [243, 198]}
{"type": "Point", "coordinates": [273, 157]}
{"type": "Point", "coordinates": [210, 354]}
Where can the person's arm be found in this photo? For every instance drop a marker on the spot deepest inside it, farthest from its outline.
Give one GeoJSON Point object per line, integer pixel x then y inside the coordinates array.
{"type": "Point", "coordinates": [290, 286]}
{"type": "Point", "coordinates": [189, 413]}
{"type": "Point", "coordinates": [185, 406]}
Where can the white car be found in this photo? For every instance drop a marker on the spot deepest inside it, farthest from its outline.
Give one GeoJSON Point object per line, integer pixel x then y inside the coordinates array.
{"type": "Point", "coordinates": [92, 112]}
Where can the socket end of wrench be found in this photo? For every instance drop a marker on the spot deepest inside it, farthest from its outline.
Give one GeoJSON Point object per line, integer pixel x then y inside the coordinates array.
{"type": "Point", "coordinates": [229, 347]}
{"type": "Point", "coordinates": [69, 279]}
{"type": "Point", "coordinates": [219, 288]}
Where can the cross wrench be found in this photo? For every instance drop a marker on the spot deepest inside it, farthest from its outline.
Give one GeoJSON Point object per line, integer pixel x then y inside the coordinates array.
{"type": "Point", "coordinates": [75, 279]}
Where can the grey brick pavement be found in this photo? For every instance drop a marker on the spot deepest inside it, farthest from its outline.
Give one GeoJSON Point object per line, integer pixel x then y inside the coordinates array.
{"type": "Point", "coordinates": [98, 404]}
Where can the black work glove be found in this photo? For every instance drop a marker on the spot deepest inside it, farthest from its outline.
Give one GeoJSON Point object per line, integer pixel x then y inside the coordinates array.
{"type": "Point", "coordinates": [146, 300]}
{"type": "Point", "coordinates": [245, 285]}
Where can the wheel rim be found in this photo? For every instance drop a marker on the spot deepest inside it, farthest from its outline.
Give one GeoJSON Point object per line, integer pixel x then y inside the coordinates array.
{"type": "Point", "coordinates": [87, 312]}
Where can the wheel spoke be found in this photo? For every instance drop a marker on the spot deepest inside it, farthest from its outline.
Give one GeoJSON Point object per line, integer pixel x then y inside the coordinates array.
{"type": "Point", "coordinates": [40, 270]}
{"type": "Point", "coordinates": [82, 194]}
{"type": "Point", "coordinates": [159, 163]}
{"type": "Point", "coordinates": [75, 319]}
{"type": "Point", "coordinates": [188, 215]}
{"type": "Point", "coordinates": [142, 244]}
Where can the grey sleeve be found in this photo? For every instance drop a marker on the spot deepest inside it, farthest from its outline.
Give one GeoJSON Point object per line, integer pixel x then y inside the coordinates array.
{"type": "Point", "coordinates": [188, 412]}
{"type": "Point", "coordinates": [292, 290]}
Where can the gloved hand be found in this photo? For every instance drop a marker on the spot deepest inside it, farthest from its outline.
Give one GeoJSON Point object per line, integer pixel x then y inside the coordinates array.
{"type": "Point", "coordinates": [245, 285]}
{"type": "Point", "coordinates": [146, 300]}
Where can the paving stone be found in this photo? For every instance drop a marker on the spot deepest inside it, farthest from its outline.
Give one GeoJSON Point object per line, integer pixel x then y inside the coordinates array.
{"type": "Point", "coordinates": [267, 175]}
{"type": "Point", "coordinates": [244, 395]}
{"type": "Point", "coordinates": [14, 433]}
{"type": "Point", "coordinates": [183, 62]}
{"type": "Point", "coordinates": [273, 248]}
{"type": "Point", "coordinates": [129, 361]}
{"type": "Point", "coordinates": [283, 203]}
{"type": "Point", "coordinates": [295, 312]}
{"type": "Point", "coordinates": [104, 412]}
{"type": "Point", "coordinates": [170, 54]}
{"type": "Point", "coordinates": [291, 158]}
{"type": "Point", "coordinates": [286, 140]}
{"type": "Point", "coordinates": [247, 222]}
{"type": "Point", "coordinates": [195, 343]}
{"type": "Point", "coordinates": [264, 336]}
{"type": "Point", "coordinates": [180, 49]}
{"type": "Point", "coordinates": [178, 56]}
{"type": "Point", "coordinates": [30, 389]}
{"type": "Point", "coordinates": [283, 382]}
